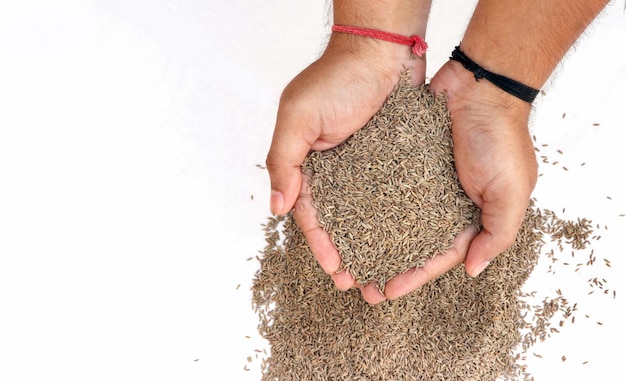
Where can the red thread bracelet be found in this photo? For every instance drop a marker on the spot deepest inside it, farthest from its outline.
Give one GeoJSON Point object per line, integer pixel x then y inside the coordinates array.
{"type": "Point", "coordinates": [418, 45]}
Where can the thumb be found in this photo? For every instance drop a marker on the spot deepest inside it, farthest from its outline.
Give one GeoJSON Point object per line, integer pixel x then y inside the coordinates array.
{"type": "Point", "coordinates": [286, 155]}
{"type": "Point", "coordinates": [489, 243]}
{"type": "Point", "coordinates": [483, 249]}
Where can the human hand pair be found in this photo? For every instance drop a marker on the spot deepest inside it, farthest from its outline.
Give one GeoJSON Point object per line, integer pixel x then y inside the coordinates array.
{"type": "Point", "coordinates": [335, 96]}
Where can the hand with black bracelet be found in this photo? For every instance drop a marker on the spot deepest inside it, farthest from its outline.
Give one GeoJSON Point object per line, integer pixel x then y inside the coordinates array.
{"type": "Point", "coordinates": [508, 46]}
{"type": "Point", "coordinates": [519, 45]}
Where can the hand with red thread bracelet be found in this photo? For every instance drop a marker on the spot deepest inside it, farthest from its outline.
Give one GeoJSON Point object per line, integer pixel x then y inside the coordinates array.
{"type": "Point", "coordinates": [334, 97]}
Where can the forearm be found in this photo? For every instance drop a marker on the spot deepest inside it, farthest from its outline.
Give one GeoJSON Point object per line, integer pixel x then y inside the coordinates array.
{"type": "Point", "coordinates": [525, 40]}
{"type": "Point", "coordinates": [406, 17]}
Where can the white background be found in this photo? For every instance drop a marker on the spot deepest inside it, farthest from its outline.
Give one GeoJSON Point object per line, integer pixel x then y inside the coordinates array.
{"type": "Point", "coordinates": [130, 197]}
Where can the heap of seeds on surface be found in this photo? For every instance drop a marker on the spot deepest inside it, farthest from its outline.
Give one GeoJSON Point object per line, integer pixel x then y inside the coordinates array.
{"type": "Point", "coordinates": [453, 328]}
{"type": "Point", "coordinates": [389, 196]}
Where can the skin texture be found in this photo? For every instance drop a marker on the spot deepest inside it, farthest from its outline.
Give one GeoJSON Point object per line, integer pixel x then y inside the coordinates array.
{"type": "Point", "coordinates": [494, 156]}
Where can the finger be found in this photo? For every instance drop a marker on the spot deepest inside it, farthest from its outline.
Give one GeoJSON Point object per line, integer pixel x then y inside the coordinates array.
{"type": "Point", "coordinates": [415, 278]}
{"type": "Point", "coordinates": [318, 239]}
{"type": "Point", "coordinates": [290, 145]}
{"type": "Point", "coordinates": [371, 294]}
{"type": "Point", "coordinates": [501, 221]}
{"type": "Point", "coordinates": [343, 280]}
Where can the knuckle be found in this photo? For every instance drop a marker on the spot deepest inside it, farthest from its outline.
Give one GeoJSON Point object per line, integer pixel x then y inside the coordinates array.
{"type": "Point", "coordinates": [271, 162]}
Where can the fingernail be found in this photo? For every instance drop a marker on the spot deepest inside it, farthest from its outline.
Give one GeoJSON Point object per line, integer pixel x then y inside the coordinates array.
{"type": "Point", "coordinates": [479, 269]}
{"type": "Point", "coordinates": [277, 202]}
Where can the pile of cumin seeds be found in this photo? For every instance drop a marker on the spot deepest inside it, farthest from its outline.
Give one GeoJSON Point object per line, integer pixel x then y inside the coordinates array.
{"type": "Point", "coordinates": [453, 328]}
{"type": "Point", "coordinates": [389, 196]}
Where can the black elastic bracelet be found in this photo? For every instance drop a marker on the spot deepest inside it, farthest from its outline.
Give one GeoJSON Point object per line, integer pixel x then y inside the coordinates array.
{"type": "Point", "coordinates": [511, 86]}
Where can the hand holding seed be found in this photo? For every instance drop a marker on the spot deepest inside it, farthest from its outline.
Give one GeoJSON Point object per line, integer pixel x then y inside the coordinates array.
{"type": "Point", "coordinates": [334, 97]}
{"type": "Point", "coordinates": [329, 258]}
{"type": "Point", "coordinates": [384, 211]}
{"type": "Point", "coordinates": [494, 158]}
{"type": "Point", "coordinates": [327, 102]}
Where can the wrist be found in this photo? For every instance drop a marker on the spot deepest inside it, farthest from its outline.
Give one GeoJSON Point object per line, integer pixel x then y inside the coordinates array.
{"type": "Point", "coordinates": [388, 58]}
{"type": "Point", "coordinates": [512, 66]}
{"type": "Point", "coordinates": [402, 17]}
{"type": "Point", "coordinates": [464, 93]}
{"type": "Point", "coordinates": [511, 86]}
